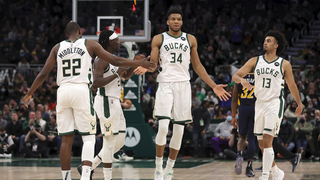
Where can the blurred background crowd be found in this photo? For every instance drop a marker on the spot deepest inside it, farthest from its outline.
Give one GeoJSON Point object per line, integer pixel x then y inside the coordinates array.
{"type": "Point", "coordinates": [229, 32]}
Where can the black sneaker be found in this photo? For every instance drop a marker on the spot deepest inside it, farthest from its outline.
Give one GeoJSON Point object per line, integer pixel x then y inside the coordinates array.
{"type": "Point", "coordinates": [238, 166]}
{"type": "Point", "coordinates": [258, 169]}
{"type": "Point", "coordinates": [295, 161]}
{"type": "Point", "coordinates": [79, 168]}
{"type": "Point", "coordinates": [249, 172]}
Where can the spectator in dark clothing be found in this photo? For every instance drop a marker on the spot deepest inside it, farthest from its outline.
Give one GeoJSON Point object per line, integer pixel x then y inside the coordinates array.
{"type": "Point", "coordinates": [54, 140]}
{"type": "Point", "coordinates": [7, 145]}
{"type": "Point", "coordinates": [30, 45]}
{"type": "Point", "coordinates": [14, 129]}
{"type": "Point", "coordinates": [35, 143]}
{"type": "Point", "coordinates": [303, 131]}
{"type": "Point", "coordinates": [201, 121]}
{"type": "Point", "coordinates": [3, 122]}
{"type": "Point", "coordinates": [286, 134]}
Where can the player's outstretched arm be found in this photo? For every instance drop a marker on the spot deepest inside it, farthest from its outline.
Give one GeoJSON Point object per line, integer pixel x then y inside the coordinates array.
{"type": "Point", "coordinates": [201, 71]}
{"type": "Point", "coordinates": [98, 79]}
{"type": "Point", "coordinates": [50, 63]}
{"type": "Point", "coordinates": [129, 73]}
{"type": "Point", "coordinates": [288, 75]}
{"type": "Point", "coordinates": [243, 71]}
{"type": "Point", "coordinates": [155, 50]}
{"type": "Point", "coordinates": [95, 48]}
{"type": "Point", "coordinates": [234, 106]}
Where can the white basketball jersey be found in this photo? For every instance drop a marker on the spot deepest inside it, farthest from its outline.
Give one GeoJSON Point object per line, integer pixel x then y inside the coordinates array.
{"type": "Point", "coordinates": [113, 88]}
{"type": "Point", "coordinates": [269, 79]}
{"type": "Point", "coordinates": [174, 58]}
{"type": "Point", "coordinates": [73, 62]}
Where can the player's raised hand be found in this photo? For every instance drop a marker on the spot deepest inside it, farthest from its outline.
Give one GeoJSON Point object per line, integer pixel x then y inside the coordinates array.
{"type": "Point", "coordinates": [220, 92]}
{"type": "Point", "coordinates": [246, 84]}
{"type": "Point", "coordinates": [139, 57]}
{"type": "Point", "coordinates": [234, 122]}
{"type": "Point", "coordinates": [26, 99]}
{"type": "Point", "coordinates": [140, 70]}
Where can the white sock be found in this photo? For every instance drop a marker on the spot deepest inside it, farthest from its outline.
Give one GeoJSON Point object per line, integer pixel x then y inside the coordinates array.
{"type": "Point", "coordinates": [170, 164]}
{"type": "Point", "coordinates": [86, 171]}
{"type": "Point", "coordinates": [268, 157]}
{"type": "Point", "coordinates": [107, 173]}
{"type": "Point", "coordinates": [159, 162]}
{"type": "Point", "coordinates": [96, 161]}
{"type": "Point", "coordinates": [66, 174]}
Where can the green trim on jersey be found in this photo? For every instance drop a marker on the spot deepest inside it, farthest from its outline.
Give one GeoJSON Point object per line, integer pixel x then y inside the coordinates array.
{"type": "Point", "coordinates": [62, 134]}
{"type": "Point", "coordinates": [281, 67]}
{"type": "Point", "coordinates": [271, 61]}
{"type": "Point", "coordinates": [102, 91]}
{"type": "Point", "coordinates": [107, 69]}
{"type": "Point", "coordinates": [89, 76]}
{"type": "Point", "coordinates": [281, 104]}
{"type": "Point", "coordinates": [174, 36]}
{"type": "Point", "coordinates": [91, 102]}
{"type": "Point", "coordinates": [258, 134]}
{"type": "Point", "coordinates": [71, 41]}
{"type": "Point", "coordinates": [85, 42]}
{"type": "Point", "coordinates": [161, 41]}
{"type": "Point", "coordinates": [256, 63]}
{"type": "Point", "coordinates": [266, 129]}
{"type": "Point", "coordinates": [58, 47]}
{"type": "Point", "coordinates": [106, 107]}
{"type": "Point", "coordinates": [188, 41]}
{"type": "Point", "coordinates": [122, 131]}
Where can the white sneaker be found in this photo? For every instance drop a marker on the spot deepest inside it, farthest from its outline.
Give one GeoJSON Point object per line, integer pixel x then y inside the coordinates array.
{"type": "Point", "coordinates": [124, 157]}
{"type": "Point", "coordinates": [115, 160]}
{"type": "Point", "coordinates": [1, 155]}
{"type": "Point", "coordinates": [168, 175]}
{"type": "Point", "coordinates": [7, 155]}
{"type": "Point", "coordinates": [158, 174]}
{"type": "Point", "coordinates": [277, 175]}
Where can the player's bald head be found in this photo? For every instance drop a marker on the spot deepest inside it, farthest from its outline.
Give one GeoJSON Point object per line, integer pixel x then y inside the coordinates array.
{"type": "Point", "coordinates": [72, 27]}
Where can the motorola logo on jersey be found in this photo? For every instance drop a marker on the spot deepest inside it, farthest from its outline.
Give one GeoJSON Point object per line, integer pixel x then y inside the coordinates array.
{"type": "Point", "coordinates": [183, 38]}
{"type": "Point", "coordinates": [132, 137]}
{"type": "Point", "coordinates": [276, 64]}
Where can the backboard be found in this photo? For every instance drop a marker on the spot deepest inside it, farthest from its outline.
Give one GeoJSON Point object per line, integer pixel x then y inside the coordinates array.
{"type": "Point", "coordinates": [129, 18]}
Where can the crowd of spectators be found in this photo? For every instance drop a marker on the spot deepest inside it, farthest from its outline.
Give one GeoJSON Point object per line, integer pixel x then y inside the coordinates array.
{"type": "Point", "coordinates": [228, 32]}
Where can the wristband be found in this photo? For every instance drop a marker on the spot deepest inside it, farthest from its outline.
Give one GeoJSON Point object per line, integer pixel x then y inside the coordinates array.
{"type": "Point", "coordinates": [117, 75]}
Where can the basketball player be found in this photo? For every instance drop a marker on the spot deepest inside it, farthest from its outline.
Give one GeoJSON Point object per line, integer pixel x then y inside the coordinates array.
{"type": "Point", "coordinates": [173, 96]}
{"type": "Point", "coordinates": [245, 123]}
{"type": "Point", "coordinates": [106, 78]}
{"type": "Point", "coordinates": [74, 100]}
{"type": "Point", "coordinates": [270, 70]}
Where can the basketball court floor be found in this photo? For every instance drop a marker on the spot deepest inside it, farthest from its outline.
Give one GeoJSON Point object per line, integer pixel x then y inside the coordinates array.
{"type": "Point", "coordinates": [186, 169]}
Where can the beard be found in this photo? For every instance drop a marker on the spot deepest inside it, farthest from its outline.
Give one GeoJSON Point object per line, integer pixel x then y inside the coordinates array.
{"type": "Point", "coordinates": [175, 30]}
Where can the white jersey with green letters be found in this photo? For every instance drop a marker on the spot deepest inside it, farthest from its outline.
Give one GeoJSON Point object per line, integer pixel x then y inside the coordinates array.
{"type": "Point", "coordinates": [113, 88]}
{"type": "Point", "coordinates": [174, 58]}
{"type": "Point", "coordinates": [73, 62]}
{"type": "Point", "coordinates": [269, 79]}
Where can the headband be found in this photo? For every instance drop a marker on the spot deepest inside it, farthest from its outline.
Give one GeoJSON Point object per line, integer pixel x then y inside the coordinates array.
{"type": "Point", "coordinates": [113, 36]}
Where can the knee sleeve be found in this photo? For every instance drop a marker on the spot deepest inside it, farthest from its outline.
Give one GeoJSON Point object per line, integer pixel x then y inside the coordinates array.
{"type": "Point", "coordinates": [108, 148]}
{"type": "Point", "coordinates": [177, 134]}
{"type": "Point", "coordinates": [161, 138]}
{"type": "Point", "coordinates": [119, 142]}
{"type": "Point", "coordinates": [88, 147]}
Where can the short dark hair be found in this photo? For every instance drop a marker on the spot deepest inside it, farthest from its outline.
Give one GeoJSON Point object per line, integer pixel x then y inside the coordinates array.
{"type": "Point", "coordinates": [174, 11]}
{"type": "Point", "coordinates": [281, 40]}
{"type": "Point", "coordinates": [72, 27]}
{"type": "Point", "coordinates": [104, 38]}
{"type": "Point", "coordinates": [54, 116]}
{"type": "Point", "coordinates": [203, 103]}
{"type": "Point", "coordinates": [2, 129]}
